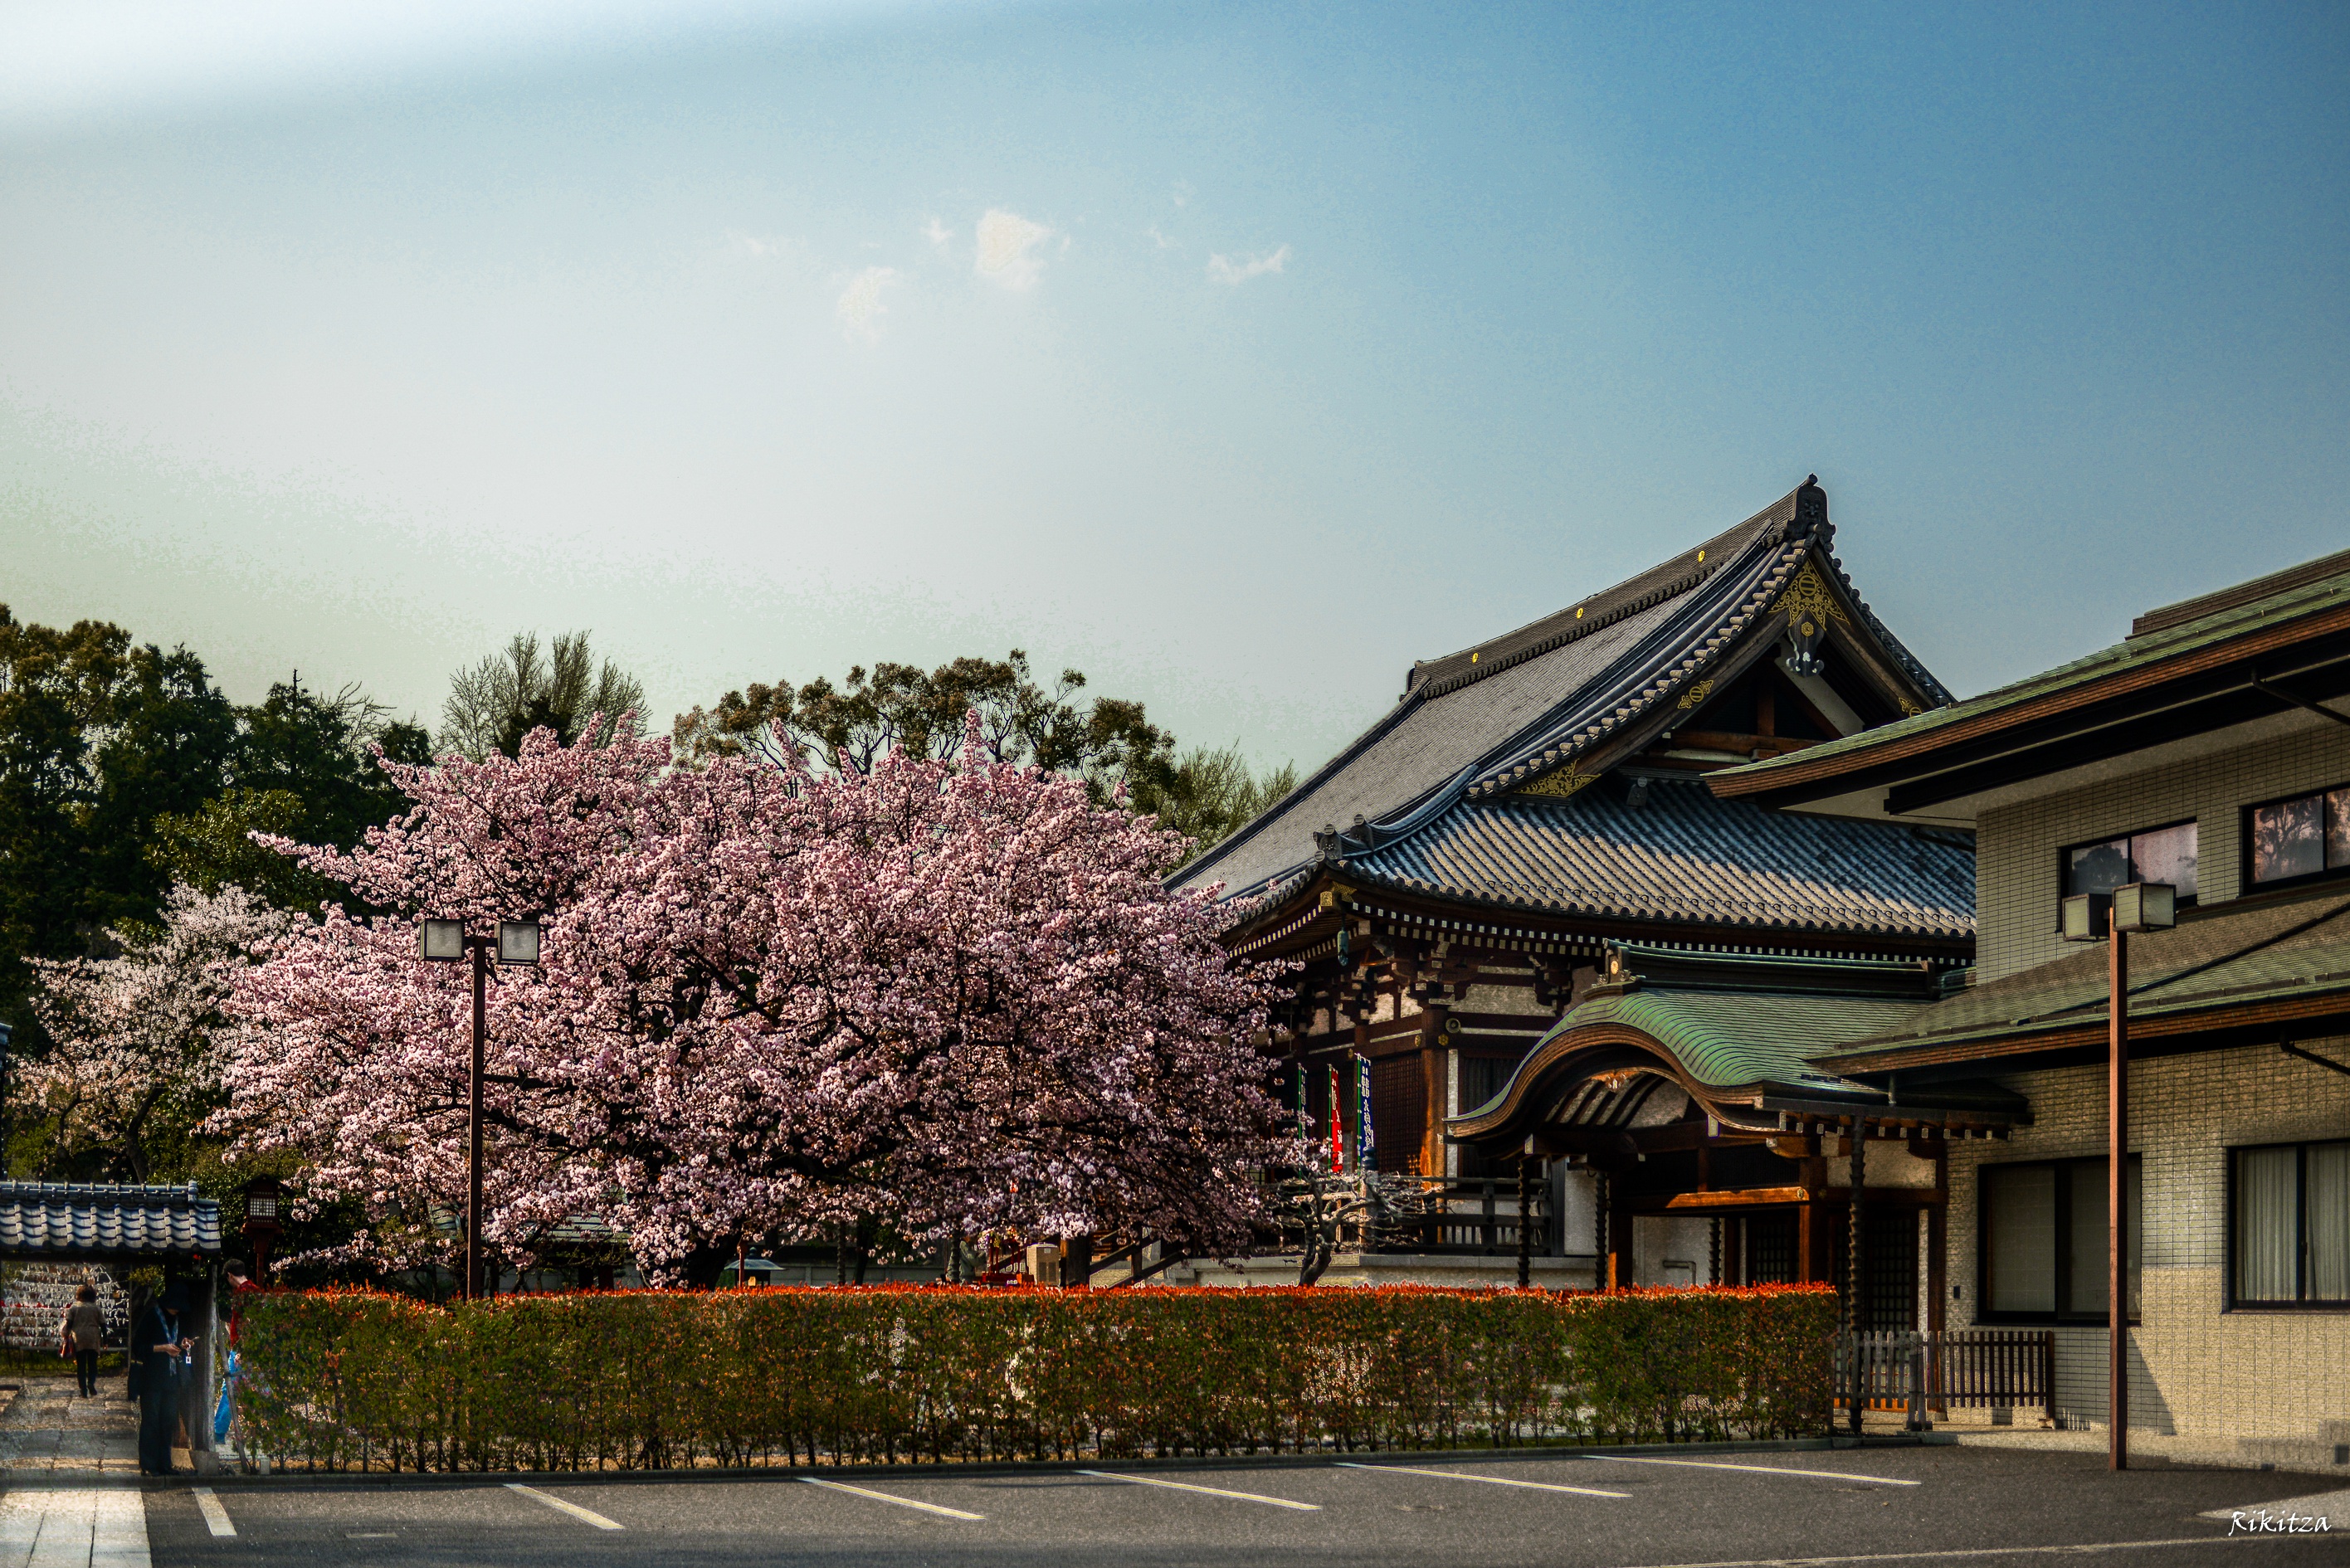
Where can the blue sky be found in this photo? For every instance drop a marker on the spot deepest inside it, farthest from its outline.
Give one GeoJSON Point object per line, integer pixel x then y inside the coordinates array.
{"type": "Point", "coordinates": [1237, 354]}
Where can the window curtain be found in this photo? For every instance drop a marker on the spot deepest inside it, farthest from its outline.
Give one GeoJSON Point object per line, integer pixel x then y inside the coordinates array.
{"type": "Point", "coordinates": [2087, 1274]}
{"type": "Point", "coordinates": [2020, 1240]}
{"type": "Point", "coordinates": [2267, 1228]}
{"type": "Point", "coordinates": [2329, 1222]}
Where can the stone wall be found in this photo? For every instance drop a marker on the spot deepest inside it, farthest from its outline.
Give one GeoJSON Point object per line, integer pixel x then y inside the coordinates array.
{"type": "Point", "coordinates": [2196, 1369]}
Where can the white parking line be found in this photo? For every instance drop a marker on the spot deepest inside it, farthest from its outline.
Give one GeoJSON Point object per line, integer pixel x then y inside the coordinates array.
{"type": "Point", "coordinates": [585, 1515]}
{"type": "Point", "coordinates": [216, 1516]}
{"type": "Point", "coordinates": [1489, 1480]}
{"type": "Point", "coordinates": [1209, 1490]}
{"type": "Point", "coordinates": [1759, 1469]}
{"type": "Point", "coordinates": [885, 1496]}
{"type": "Point", "coordinates": [1961, 1553]}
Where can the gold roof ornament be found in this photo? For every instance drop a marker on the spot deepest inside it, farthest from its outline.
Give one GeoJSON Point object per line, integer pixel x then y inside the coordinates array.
{"type": "Point", "coordinates": [1559, 784]}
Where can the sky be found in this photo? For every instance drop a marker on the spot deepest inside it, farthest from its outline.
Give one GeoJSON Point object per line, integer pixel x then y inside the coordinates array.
{"type": "Point", "coordinates": [1236, 355]}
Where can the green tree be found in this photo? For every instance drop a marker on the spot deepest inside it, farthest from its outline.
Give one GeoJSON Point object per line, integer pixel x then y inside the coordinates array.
{"type": "Point", "coordinates": [303, 767]}
{"type": "Point", "coordinates": [494, 704]}
{"type": "Point", "coordinates": [98, 738]}
{"type": "Point", "coordinates": [1209, 794]}
{"type": "Point", "coordinates": [1108, 741]}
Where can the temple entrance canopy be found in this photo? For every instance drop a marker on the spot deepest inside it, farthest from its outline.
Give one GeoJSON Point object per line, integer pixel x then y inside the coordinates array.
{"type": "Point", "coordinates": [1705, 1147]}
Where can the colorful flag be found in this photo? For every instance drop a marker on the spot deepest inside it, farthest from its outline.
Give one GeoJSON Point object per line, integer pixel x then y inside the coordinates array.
{"type": "Point", "coordinates": [1364, 1153]}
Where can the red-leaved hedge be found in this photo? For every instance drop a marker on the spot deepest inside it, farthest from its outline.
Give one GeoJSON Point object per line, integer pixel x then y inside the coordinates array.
{"type": "Point", "coordinates": [648, 1379]}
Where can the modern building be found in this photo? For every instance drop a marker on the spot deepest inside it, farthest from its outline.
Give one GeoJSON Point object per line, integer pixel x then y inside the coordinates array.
{"type": "Point", "coordinates": [1455, 881]}
{"type": "Point", "coordinates": [2210, 752]}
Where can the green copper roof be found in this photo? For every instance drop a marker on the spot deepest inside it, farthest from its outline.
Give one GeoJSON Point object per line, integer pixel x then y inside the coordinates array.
{"type": "Point", "coordinates": [1730, 1040]}
{"type": "Point", "coordinates": [2168, 642]}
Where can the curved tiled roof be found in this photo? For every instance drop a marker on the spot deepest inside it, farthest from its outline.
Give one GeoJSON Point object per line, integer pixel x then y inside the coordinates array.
{"type": "Point", "coordinates": [1683, 854]}
{"type": "Point", "coordinates": [53, 1218]}
{"type": "Point", "coordinates": [1488, 720]}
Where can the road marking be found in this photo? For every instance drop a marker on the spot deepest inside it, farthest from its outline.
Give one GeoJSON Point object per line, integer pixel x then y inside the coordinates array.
{"type": "Point", "coordinates": [885, 1496]}
{"type": "Point", "coordinates": [216, 1516]}
{"type": "Point", "coordinates": [1489, 1480]}
{"type": "Point", "coordinates": [1759, 1469]}
{"type": "Point", "coordinates": [1209, 1490]}
{"type": "Point", "coordinates": [585, 1515]}
{"type": "Point", "coordinates": [2084, 1549]}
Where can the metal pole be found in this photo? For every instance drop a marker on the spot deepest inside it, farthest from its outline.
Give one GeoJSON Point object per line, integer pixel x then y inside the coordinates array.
{"type": "Point", "coordinates": [1525, 1220]}
{"type": "Point", "coordinates": [474, 1151]}
{"type": "Point", "coordinates": [2116, 1162]}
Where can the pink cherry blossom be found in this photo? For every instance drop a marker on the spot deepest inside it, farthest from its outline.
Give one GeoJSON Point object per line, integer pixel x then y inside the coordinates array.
{"type": "Point", "coordinates": [141, 1033]}
{"type": "Point", "coordinates": [952, 997]}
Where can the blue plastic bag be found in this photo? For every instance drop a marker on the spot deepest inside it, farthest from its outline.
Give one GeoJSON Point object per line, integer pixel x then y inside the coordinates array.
{"type": "Point", "coordinates": [226, 1411]}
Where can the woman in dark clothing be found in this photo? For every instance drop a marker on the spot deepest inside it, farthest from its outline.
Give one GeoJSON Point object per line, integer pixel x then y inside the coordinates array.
{"type": "Point", "coordinates": [85, 1327]}
{"type": "Point", "coordinates": [161, 1346]}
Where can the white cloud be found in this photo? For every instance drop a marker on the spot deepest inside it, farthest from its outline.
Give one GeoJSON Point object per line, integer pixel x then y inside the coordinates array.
{"type": "Point", "coordinates": [859, 305]}
{"type": "Point", "coordinates": [1232, 273]}
{"type": "Point", "coordinates": [938, 234]}
{"type": "Point", "coordinates": [1007, 244]}
{"type": "Point", "coordinates": [758, 247]}
{"type": "Point", "coordinates": [1163, 242]}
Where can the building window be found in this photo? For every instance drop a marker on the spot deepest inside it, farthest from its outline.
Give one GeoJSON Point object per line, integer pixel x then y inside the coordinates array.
{"type": "Point", "coordinates": [2291, 1215]}
{"type": "Point", "coordinates": [2157, 855]}
{"type": "Point", "coordinates": [2308, 835]}
{"type": "Point", "coordinates": [2043, 1246]}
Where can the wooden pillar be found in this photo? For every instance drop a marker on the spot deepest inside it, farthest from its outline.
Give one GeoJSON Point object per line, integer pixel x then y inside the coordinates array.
{"type": "Point", "coordinates": [1602, 1262]}
{"type": "Point", "coordinates": [1619, 1234]}
{"type": "Point", "coordinates": [1526, 1217]}
{"type": "Point", "coordinates": [1856, 1282]}
{"type": "Point", "coordinates": [1431, 1061]}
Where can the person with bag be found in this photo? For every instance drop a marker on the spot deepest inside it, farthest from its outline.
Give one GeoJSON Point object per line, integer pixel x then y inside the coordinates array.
{"type": "Point", "coordinates": [163, 1350]}
{"type": "Point", "coordinates": [84, 1333]}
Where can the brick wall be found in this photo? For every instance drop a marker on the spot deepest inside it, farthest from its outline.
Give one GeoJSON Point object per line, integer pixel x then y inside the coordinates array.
{"type": "Point", "coordinates": [2195, 1369]}
{"type": "Point", "coordinates": [2016, 886]}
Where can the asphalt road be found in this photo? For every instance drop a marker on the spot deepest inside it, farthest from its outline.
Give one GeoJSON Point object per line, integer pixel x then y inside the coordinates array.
{"type": "Point", "coordinates": [1978, 1507]}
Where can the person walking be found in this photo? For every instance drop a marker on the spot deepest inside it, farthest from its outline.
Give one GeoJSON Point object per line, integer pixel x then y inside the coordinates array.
{"type": "Point", "coordinates": [86, 1327]}
{"type": "Point", "coordinates": [162, 1346]}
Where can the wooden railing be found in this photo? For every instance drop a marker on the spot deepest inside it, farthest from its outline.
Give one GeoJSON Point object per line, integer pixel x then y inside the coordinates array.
{"type": "Point", "coordinates": [1479, 1216]}
{"type": "Point", "coordinates": [1919, 1373]}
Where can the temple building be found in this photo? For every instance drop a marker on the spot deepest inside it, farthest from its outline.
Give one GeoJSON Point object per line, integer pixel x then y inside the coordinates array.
{"type": "Point", "coordinates": [1526, 843]}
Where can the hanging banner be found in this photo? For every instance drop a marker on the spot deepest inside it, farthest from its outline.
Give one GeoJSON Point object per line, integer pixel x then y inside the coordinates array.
{"type": "Point", "coordinates": [1365, 1154]}
{"type": "Point", "coordinates": [1338, 1122]}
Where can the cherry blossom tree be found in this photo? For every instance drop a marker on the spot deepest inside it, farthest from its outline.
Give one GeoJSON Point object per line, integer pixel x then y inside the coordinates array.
{"type": "Point", "coordinates": [138, 1040]}
{"type": "Point", "coordinates": [951, 996]}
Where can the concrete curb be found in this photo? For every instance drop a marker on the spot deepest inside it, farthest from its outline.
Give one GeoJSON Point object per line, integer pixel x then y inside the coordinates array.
{"type": "Point", "coordinates": [977, 1469]}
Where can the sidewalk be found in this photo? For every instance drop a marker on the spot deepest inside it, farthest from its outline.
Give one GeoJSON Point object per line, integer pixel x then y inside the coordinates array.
{"type": "Point", "coordinates": [71, 1473]}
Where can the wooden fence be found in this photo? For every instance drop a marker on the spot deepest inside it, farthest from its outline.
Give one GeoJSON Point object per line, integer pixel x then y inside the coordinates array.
{"type": "Point", "coordinates": [1920, 1374]}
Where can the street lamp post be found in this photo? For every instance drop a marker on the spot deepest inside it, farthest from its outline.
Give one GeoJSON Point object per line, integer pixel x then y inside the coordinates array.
{"type": "Point", "coordinates": [2136, 907]}
{"type": "Point", "coordinates": [447, 941]}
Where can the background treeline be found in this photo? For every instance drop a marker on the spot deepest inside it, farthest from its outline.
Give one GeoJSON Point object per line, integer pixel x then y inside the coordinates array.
{"type": "Point", "coordinates": [125, 770]}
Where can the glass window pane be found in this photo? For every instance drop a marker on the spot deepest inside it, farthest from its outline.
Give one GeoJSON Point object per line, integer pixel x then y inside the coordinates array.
{"type": "Point", "coordinates": [2166, 857]}
{"type": "Point", "coordinates": [2337, 827]}
{"type": "Point", "coordinates": [2019, 1237]}
{"type": "Point", "coordinates": [2096, 867]}
{"type": "Point", "coordinates": [2266, 1240]}
{"type": "Point", "coordinates": [2328, 1222]}
{"type": "Point", "coordinates": [2086, 1266]}
{"type": "Point", "coordinates": [2287, 840]}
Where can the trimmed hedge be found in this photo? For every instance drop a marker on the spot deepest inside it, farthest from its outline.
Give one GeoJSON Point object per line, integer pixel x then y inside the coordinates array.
{"type": "Point", "coordinates": [649, 1379]}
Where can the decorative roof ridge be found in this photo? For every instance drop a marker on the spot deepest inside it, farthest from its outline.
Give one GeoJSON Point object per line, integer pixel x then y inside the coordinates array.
{"type": "Point", "coordinates": [1910, 663]}
{"type": "Point", "coordinates": [1768, 583]}
{"type": "Point", "coordinates": [1774, 523]}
